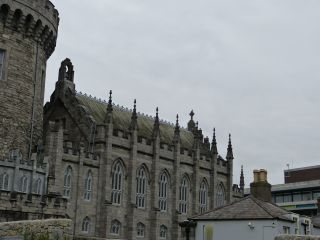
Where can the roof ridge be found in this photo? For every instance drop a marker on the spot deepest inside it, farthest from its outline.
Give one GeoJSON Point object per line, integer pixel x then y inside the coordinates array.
{"type": "Point", "coordinates": [258, 201]}
{"type": "Point", "coordinates": [126, 109]}
{"type": "Point", "coordinates": [215, 209]}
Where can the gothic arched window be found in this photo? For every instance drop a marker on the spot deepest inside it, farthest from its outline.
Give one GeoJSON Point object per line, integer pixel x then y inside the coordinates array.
{"type": "Point", "coordinates": [203, 196]}
{"type": "Point", "coordinates": [67, 181]}
{"type": "Point", "coordinates": [4, 181]}
{"type": "Point", "coordinates": [117, 178]}
{"type": "Point", "coordinates": [183, 195]}
{"type": "Point", "coordinates": [86, 225]}
{"type": "Point", "coordinates": [88, 186]}
{"type": "Point", "coordinates": [221, 196]}
{"type": "Point", "coordinates": [141, 188]}
{"type": "Point", "coordinates": [140, 229]}
{"type": "Point", "coordinates": [24, 184]}
{"type": "Point", "coordinates": [115, 227]}
{"type": "Point", "coordinates": [163, 191]}
{"type": "Point", "coordinates": [38, 186]}
{"type": "Point", "coordinates": [163, 232]}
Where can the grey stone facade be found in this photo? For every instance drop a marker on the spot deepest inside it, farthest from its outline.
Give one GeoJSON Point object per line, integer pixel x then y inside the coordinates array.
{"type": "Point", "coordinates": [116, 173]}
{"type": "Point", "coordinates": [84, 134]}
{"type": "Point", "coordinates": [28, 32]}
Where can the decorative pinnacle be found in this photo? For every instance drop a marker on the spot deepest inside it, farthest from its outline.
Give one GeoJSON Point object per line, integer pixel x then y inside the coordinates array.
{"type": "Point", "coordinates": [176, 137]}
{"type": "Point", "coordinates": [156, 125]}
{"type": "Point", "coordinates": [241, 178]}
{"type": "Point", "coordinates": [134, 125]}
{"type": "Point", "coordinates": [109, 108]}
{"type": "Point", "coordinates": [156, 121]}
{"type": "Point", "coordinates": [135, 106]}
{"type": "Point", "coordinates": [214, 143]}
{"type": "Point", "coordinates": [229, 151]}
{"type": "Point", "coordinates": [177, 120]}
{"type": "Point", "coordinates": [191, 114]}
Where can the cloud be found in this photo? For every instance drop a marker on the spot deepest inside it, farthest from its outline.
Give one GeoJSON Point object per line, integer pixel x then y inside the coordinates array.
{"type": "Point", "coordinates": [245, 67]}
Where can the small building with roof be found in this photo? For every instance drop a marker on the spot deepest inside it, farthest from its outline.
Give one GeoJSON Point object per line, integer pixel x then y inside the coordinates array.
{"type": "Point", "coordinates": [253, 217]}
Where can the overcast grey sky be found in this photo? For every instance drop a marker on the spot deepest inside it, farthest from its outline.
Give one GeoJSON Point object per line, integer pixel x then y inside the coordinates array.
{"type": "Point", "coordinates": [248, 67]}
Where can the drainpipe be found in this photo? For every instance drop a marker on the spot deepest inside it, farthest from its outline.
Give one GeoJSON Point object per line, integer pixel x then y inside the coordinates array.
{"type": "Point", "coordinates": [33, 101]}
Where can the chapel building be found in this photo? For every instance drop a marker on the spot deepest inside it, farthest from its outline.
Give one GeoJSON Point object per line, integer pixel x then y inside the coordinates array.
{"type": "Point", "coordinates": [117, 173]}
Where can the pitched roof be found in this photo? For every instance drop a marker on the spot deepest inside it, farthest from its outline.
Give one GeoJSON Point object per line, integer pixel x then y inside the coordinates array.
{"type": "Point", "coordinates": [122, 119]}
{"type": "Point", "coordinates": [246, 208]}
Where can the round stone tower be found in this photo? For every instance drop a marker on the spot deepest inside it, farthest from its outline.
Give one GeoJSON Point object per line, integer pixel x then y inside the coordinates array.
{"type": "Point", "coordinates": [28, 34]}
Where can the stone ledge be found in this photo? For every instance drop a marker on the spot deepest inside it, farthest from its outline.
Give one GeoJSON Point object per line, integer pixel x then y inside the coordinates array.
{"type": "Point", "coordinates": [296, 237]}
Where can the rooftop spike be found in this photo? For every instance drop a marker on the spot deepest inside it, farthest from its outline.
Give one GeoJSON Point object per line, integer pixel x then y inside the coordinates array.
{"type": "Point", "coordinates": [191, 114]}
{"type": "Point", "coordinates": [176, 136]}
{"type": "Point", "coordinates": [241, 179]}
{"type": "Point", "coordinates": [229, 150]}
{"type": "Point", "coordinates": [109, 108]}
{"type": "Point", "coordinates": [134, 117]}
{"type": "Point", "coordinates": [156, 125]}
{"type": "Point", "coordinates": [214, 148]}
{"type": "Point", "coordinates": [191, 124]}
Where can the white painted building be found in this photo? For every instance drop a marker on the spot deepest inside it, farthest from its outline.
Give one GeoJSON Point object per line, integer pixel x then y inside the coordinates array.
{"type": "Point", "coordinates": [253, 217]}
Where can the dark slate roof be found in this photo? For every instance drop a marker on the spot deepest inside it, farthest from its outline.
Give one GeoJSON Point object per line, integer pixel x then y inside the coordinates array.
{"type": "Point", "coordinates": [245, 209]}
{"type": "Point", "coordinates": [122, 119]}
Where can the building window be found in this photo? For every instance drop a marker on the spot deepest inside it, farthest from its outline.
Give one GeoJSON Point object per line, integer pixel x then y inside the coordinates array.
{"type": "Point", "coordinates": [163, 232]}
{"type": "Point", "coordinates": [88, 186]}
{"type": "Point", "coordinates": [67, 182]}
{"type": "Point", "coordinates": [221, 196]}
{"type": "Point", "coordinates": [4, 181]}
{"type": "Point", "coordinates": [183, 195]}
{"type": "Point", "coordinates": [115, 227]}
{"type": "Point", "coordinates": [38, 186]}
{"type": "Point", "coordinates": [163, 192]}
{"type": "Point", "coordinates": [296, 196]}
{"type": "Point", "coordinates": [287, 198]}
{"type": "Point", "coordinates": [140, 230]}
{"type": "Point", "coordinates": [2, 56]}
{"type": "Point", "coordinates": [141, 188]}
{"type": "Point", "coordinates": [117, 176]}
{"type": "Point", "coordinates": [24, 184]}
{"type": "Point", "coordinates": [316, 195]}
{"type": "Point", "coordinates": [86, 225]}
{"type": "Point", "coordinates": [203, 196]}
{"type": "Point", "coordinates": [286, 230]}
{"type": "Point", "coordinates": [306, 196]}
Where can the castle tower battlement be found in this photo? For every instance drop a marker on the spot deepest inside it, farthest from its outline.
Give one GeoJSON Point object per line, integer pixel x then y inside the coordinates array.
{"type": "Point", "coordinates": [28, 35]}
{"type": "Point", "coordinates": [36, 19]}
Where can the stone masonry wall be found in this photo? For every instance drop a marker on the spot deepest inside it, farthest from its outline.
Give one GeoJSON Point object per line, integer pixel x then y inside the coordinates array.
{"type": "Point", "coordinates": [297, 237]}
{"type": "Point", "coordinates": [37, 229]}
{"type": "Point", "coordinates": [27, 39]}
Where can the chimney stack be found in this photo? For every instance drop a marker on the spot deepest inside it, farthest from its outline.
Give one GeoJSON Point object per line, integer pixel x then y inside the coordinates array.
{"type": "Point", "coordinates": [260, 188]}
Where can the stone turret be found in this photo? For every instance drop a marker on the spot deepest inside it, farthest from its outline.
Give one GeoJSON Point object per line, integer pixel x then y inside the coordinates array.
{"type": "Point", "coordinates": [28, 34]}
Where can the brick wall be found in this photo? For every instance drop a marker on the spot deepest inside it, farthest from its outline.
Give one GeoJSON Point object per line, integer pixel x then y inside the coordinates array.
{"type": "Point", "coordinates": [292, 176]}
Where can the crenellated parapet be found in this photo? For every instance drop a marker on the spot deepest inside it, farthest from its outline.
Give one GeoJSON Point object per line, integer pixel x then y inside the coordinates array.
{"type": "Point", "coordinates": [72, 149]}
{"type": "Point", "coordinates": [34, 19]}
{"type": "Point", "coordinates": [32, 206]}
